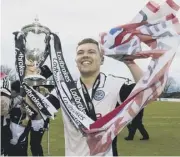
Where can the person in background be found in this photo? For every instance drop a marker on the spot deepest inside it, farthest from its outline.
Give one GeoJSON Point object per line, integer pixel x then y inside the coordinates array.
{"type": "Point", "coordinates": [38, 124]}
{"type": "Point", "coordinates": [137, 123]}
{"type": "Point", "coordinates": [22, 124]}
{"type": "Point", "coordinates": [38, 127]}
{"type": "Point", "coordinates": [123, 98]}
{"type": "Point", "coordinates": [5, 120]}
{"type": "Point", "coordinates": [19, 123]}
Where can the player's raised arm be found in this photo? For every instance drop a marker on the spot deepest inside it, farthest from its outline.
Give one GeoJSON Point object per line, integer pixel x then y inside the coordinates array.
{"type": "Point", "coordinates": [135, 70]}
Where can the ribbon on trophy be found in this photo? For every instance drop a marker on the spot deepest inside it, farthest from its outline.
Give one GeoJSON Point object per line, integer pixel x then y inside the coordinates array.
{"type": "Point", "coordinates": [45, 108]}
{"type": "Point", "coordinates": [69, 96]}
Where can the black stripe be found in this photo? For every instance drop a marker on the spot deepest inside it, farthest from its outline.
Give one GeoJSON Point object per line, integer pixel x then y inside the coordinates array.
{"type": "Point", "coordinates": [114, 147]}
{"type": "Point", "coordinates": [125, 91]}
{"type": "Point", "coordinates": [67, 78]}
{"type": "Point", "coordinates": [91, 111]}
{"type": "Point", "coordinates": [54, 101]}
{"type": "Point", "coordinates": [4, 94]}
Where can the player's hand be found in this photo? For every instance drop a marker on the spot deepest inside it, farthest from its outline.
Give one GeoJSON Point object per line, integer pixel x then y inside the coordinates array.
{"type": "Point", "coordinates": [44, 91]}
{"type": "Point", "coordinates": [24, 122]}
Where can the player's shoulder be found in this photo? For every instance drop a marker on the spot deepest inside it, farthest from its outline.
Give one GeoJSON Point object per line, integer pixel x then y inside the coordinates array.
{"type": "Point", "coordinates": [114, 82]}
{"type": "Point", "coordinates": [119, 79]}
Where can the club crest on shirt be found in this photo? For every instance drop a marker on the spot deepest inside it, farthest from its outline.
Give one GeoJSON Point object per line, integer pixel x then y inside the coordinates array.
{"type": "Point", "coordinates": [99, 95]}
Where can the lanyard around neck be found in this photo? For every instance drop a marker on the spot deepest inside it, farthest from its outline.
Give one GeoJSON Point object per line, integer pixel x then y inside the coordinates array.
{"type": "Point", "coordinates": [90, 107]}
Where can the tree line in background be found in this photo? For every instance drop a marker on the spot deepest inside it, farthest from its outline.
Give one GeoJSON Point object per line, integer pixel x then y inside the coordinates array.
{"type": "Point", "coordinates": [171, 90]}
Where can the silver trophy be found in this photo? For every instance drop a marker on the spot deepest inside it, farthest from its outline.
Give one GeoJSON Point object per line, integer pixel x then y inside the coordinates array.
{"type": "Point", "coordinates": [36, 52]}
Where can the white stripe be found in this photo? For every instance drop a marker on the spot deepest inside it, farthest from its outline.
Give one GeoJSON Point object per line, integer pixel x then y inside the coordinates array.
{"type": "Point", "coordinates": [161, 117]}
{"type": "Point", "coordinates": [161, 124]}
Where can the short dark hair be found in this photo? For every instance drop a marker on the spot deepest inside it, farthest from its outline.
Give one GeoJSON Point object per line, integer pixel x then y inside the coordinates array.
{"type": "Point", "coordinates": [88, 40]}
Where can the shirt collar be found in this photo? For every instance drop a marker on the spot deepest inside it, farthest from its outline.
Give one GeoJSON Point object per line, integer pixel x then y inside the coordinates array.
{"type": "Point", "coordinates": [102, 81]}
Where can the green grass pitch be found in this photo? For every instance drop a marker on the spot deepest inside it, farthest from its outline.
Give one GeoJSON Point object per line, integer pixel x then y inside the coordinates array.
{"type": "Point", "coordinates": [162, 121]}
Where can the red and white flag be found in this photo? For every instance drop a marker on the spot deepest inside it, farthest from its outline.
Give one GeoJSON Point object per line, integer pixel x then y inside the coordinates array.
{"type": "Point", "coordinates": [158, 27]}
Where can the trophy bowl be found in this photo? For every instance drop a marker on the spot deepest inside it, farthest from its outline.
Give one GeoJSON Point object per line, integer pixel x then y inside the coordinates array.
{"type": "Point", "coordinates": [36, 36]}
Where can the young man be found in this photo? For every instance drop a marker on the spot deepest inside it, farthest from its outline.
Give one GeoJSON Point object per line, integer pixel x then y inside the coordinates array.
{"type": "Point", "coordinates": [110, 90]}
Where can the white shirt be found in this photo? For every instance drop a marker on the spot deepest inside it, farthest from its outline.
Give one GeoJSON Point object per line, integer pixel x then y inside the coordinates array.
{"type": "Point", "coordinates": [105, 100]}
{"type": "Point", "coordinates": [16, 130]}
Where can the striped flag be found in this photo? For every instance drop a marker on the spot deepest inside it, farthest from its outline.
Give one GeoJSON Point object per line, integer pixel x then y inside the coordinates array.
{"type": "Point", "coordinates": [158, 27]}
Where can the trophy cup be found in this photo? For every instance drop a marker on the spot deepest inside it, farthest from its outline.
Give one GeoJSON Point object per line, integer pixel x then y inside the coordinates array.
{"type": "Point", "coordinates": [36, 52]}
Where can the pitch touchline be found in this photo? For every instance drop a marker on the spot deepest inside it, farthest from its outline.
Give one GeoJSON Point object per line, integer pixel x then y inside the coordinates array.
{"type": "Point", "coordinates": [161, 117]}
{"type": "Point", "coordinates": [160, 124]}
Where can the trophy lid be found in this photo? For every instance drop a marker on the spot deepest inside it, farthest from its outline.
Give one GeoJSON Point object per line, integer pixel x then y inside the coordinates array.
{"type": "Point", "coordinates": [36, 28]}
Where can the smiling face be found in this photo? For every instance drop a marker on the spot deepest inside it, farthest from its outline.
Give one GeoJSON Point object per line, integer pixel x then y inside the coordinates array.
{"type": "Point", "coordinates": [88, 58]}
